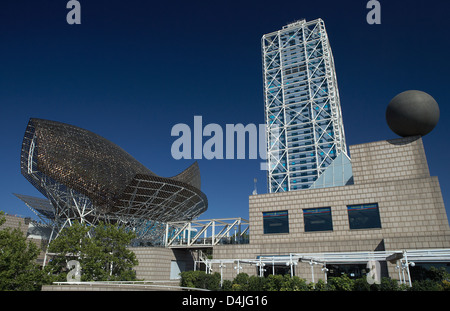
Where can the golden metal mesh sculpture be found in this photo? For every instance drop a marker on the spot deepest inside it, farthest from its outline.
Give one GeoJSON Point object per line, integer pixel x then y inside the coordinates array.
{"type": "Point", "coordinates": [88, 178]}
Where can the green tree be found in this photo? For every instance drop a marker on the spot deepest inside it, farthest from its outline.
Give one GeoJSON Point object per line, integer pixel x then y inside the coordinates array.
{"type": "Point", "coordinates": [109, 257]}
{"type": "Point", "coordinates": [18, 268]}
{"type": "Point", "coordinates": [103, 256]}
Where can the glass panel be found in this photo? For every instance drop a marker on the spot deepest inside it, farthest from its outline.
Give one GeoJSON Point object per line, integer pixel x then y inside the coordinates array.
{"type": "Point", "coordinates": [429, 270]}
{"type": "Point", "coordinates": [318, 219]}
{"type": "Point", "coordinates": [353, 271]}
{"type": "Point", "coordinates": [276, 222]}
{"type": "Point", "coordinates": [275, 270]}
{"type": "Point", "coordinates": [364, 216]}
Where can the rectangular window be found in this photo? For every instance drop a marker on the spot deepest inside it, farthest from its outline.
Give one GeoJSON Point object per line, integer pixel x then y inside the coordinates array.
{"type": "Point", "coordinates": [276, 222]}
{"type": "Point", "coordinates": [364, 216]}
{"type": "Point", "coordinates": [318, 219]}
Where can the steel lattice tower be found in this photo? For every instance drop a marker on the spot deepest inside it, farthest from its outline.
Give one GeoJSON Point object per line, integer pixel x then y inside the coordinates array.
{"type": "Point", "coordinates": [302, 109]}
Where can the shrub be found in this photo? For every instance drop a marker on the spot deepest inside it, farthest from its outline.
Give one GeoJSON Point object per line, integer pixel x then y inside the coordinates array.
{"type": "Point", "coordinates": [256, 283]}
{"type": "Point", "coordinates": [388, 284]}
{"type": "Point", "coordinates": [241, 278]}
{"type": "Point", "coordinates": [426, 285]}
{"type": "Point", "coordinates": [436, 274]}
{"type": "Point", "coordinates": [241, 282]}
{"type": "Point", "coordinates": [445, 285]}
{"type": "Point", "coordinates": [190, 278]}
{"type": "Point", "coordinates": [274, 282]}
{"type": "Point", "coordinates": [284, 283]}
{"type": "Point", "coordinates": [361, 284]}
{"type": "Point", "coordinates": [319, 286]}
{"type": "Point", "coordinates": [199, 279]}
{"type": "Point", "coordinates": [227, 285]}
{"type": "Point", "coordinates": [293, 284]}
{"type": "Point", "coordinates": [436, 280]}
{"type": "Point", "coordinates": [244, 282]}
{"type": "Point", "coordinates": [342, 283]}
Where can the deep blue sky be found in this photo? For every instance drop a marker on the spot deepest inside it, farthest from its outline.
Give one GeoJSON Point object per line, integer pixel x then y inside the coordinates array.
{"type": "Point", "coordinates": [133, 69]}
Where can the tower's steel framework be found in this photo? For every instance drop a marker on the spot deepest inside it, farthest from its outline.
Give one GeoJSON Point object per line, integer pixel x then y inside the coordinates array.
{"type": "Point", "coordinates": [302, 108]}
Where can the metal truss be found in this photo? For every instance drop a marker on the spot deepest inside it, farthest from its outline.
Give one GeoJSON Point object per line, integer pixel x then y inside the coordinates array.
{"type": "Point", "coordinates": [302, 106]}
{"type": "Point", "coordinates": [40, 207]}
{"type": "Point", "coordinates": [88, 179]}
{"type": "Point", "coordinates": [206, 233]}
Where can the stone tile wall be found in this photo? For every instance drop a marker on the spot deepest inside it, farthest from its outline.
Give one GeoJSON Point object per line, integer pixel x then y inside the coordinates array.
{"type": "Point", "coordinates": [154, 262]}
{"type": "Point", "coordinates": [392, 173]}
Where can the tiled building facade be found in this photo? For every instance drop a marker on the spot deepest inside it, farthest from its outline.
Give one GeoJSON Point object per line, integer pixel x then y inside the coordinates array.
{"type": "Point", "coordinates": [392, 185]}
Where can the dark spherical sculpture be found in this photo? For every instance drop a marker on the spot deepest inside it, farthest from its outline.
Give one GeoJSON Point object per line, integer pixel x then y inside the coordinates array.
{"type": "Point", "coordinates": [412, 113]}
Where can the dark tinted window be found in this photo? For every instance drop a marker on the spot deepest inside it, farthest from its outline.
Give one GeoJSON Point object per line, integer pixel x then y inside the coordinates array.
{"type": "Point", "coordinates": [276, 222]}
{"type": "Point", "coordinates": [317, 219]}
{"type": "Point", "coordinates": [364, 216]}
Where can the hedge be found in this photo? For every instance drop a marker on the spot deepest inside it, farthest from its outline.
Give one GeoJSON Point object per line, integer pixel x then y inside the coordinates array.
{"type": "Point", "coordinates": [244, 282]}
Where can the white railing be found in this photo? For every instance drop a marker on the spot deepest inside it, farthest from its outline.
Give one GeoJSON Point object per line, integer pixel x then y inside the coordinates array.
{"type": "Point", "coordinates": [206, 233]}
{"type": "Point", "coordinates": [139, 285]}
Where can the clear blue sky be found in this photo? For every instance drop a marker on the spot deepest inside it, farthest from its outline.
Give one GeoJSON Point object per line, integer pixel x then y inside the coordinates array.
{"type": "Point", "coordinates": [133, 69]}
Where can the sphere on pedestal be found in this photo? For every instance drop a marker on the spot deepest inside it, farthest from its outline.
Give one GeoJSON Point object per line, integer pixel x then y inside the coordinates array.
{"type": "Point", "coordinates": [412, 113]}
